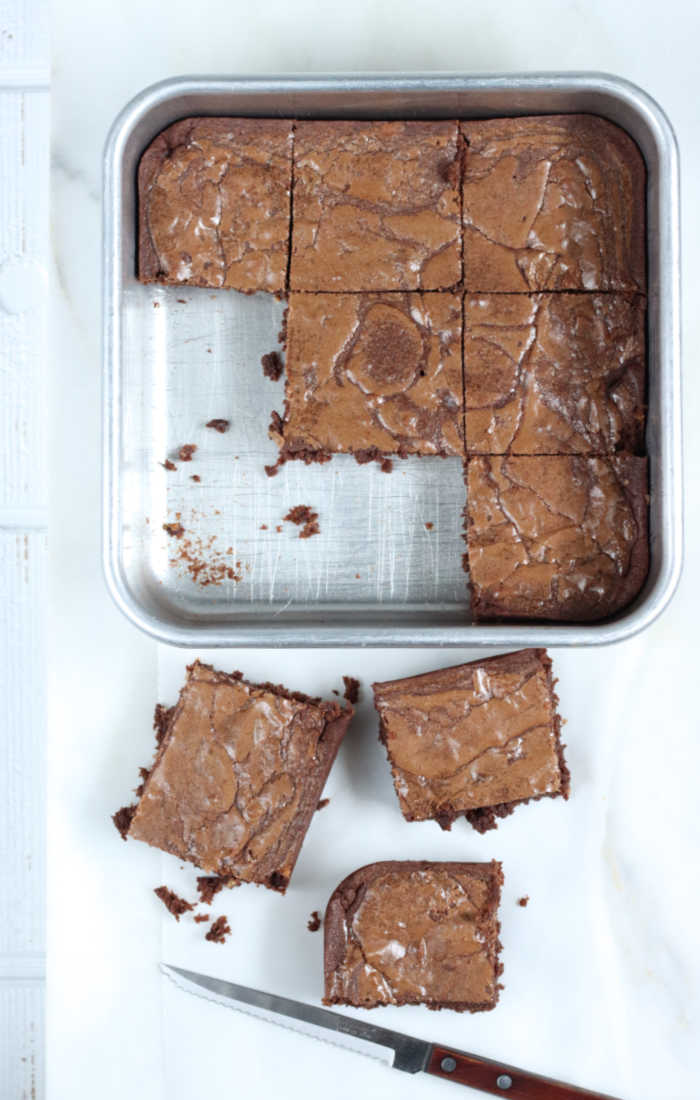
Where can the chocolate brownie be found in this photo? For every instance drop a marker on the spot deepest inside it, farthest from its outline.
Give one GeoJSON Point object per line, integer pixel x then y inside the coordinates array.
{"type": "Point", "coordinates": [476, 739]}
{"type": "Point", "coordinates": [214, 204]}
{"type": "Point", "coordinates": [559, 537]}
{"type": "Point", "coordinates": [373, 374]}
{"type": "Point", "coordinates": [376, 206]}
{"type": "Point", "coordinates": [238, 776]}
{"type": "Point", "coordinates": [415, 933]}
{"type": "Point", "coordinates": [553, 203]}
{"type": "Point", "coordinates": [554, 373]}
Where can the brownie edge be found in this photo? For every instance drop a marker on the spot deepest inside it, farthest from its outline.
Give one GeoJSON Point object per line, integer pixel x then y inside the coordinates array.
{"type": "Point", "coordinates": [387, 926]}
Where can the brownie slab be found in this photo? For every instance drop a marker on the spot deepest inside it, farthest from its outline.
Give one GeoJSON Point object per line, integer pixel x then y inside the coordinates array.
{"type": "Point", "coordinates": [554, 373]}
{"type": "Point", "coordinates": [238, 775]}
{"type": "Point", "coordinates": [553, 203]}
{"type": "Point", "coordinates": [374, 373]}
{"type": "Point", "coordinates": [214, 204]}
{"type": "Point", "coordinates": [376, 206]}
{"type": "Point", "coordinates": [560, 537]}
{"type": "Point", "coordinates": [475, 739]}
{"type": "Point", "coordinates": [398, 933]}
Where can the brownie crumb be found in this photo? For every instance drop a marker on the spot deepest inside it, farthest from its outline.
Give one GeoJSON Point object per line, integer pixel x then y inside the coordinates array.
{"type": "Point", "coordinates": [156, 305]}
{"type": "Point", "coordinates": [201, 918]}
{"type": "Point", "coordinates": [323, 802]}
{"type": "Point", "coordinates": [161, 721]}
{"type": "Point", "coordinates": [278, 529]}
{"type": "Point", "coordinates": [314, 922]}
{"type": "Point", "coordinates": [304, 516]}
{"type": "Point", "coordinates": [195, 477]}
{"type": "Point", "coordinates": [122, 820]}
{"type": "Point", "coordinates": [168, 465]}
{"type": "Point", "coordinates": [386, 466]}
{"type": "Point", "coordinates": [429, 526]}
{"type": "Point", "coordinates": [219, 425]}
{"type": "Point", "coordinates": [219, 930]}
{"type": "Point", "coordinates": [186, 451]}
{"type": "Point", "coordinates": [282, 334]}
{"type": "Point", "coordinates": [174, 904]}
{"type": "Point", "coordinates": [175, 530]}
{"type": "Point", "coordinates": [204, 563]}
{"type": "Point", "coordinates": [352, 689]}
{"type": "Point", "coordinates": [272, 366]}
{"type": "Point", "coordinates": [263, 527]}
{"type": "Point", "coordinates": [209, 886]}
{"type": "Point", "coordinates": [182, 301]}
{"type": "Point", "coordinates": [523, 901]}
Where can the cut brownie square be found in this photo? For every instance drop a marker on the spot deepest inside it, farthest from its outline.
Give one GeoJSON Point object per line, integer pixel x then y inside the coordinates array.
{"type": "Point", "coordinates": [398, 933]}
{"type": "Point", "coordinates": [476, 739]}
{"type": "Point", "coordinates": [553, 203]}
{"type": "Point", "coordinates": [554, 373]}
{"type": "Point", "coordinates": [560, 537]}
{"type": "Point", "coordinates": [373, 373]}
{"type": "Point", "coordinates": [214, 204]}
{"type": "Point", "coordinates": [376, 206]}
{"type": "Point", "coordinates": [238, 776]}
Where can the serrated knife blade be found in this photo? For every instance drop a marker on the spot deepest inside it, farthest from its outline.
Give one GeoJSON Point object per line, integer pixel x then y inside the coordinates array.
{"type": "Point", "coordinates": [391, 1047]}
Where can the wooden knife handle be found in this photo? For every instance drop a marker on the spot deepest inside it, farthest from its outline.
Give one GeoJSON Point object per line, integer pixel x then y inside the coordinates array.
{"type": "Point", "coordinates": [502, 1080]}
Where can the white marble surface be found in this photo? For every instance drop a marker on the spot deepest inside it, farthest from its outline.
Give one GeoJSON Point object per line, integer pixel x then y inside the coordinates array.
{"type": "Point", "coordinates": [603, 967]}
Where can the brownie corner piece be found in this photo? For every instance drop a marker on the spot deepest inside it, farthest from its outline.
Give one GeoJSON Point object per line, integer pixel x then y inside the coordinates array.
{"type": "Point", "coordinates": [494, 739]}
{"type": "Point", "coordinates": [393, 930]}
{"type": "Point", "coordinates": [553, 202]}
{"type": "Point", "coordinates": [214, 200]}
{"type": "Point", "coordinates": [235, 813]}
{"type": "Point", "coordinates": [556, 537]}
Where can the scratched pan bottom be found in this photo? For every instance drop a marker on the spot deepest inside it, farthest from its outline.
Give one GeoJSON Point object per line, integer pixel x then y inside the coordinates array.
{"type": "Point", "coordinates": [176, 358]}
{"type": "Point", "coordinates": [388, 543]}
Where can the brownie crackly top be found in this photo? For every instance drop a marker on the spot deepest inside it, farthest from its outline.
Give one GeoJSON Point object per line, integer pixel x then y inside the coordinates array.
{"type": "Point", "coordinates": [214, 204]}
{"type": "Point", "coordinates": [238, 776]}
{"type": "Point", "coordinates": [411, 933]}
{"type": "Point", "coordinates": [376, 206]}
{"type": "Point", "coordinates": [554, 373]}
{"type": "Point", "coordinates": [374, 371]}
{"type": "Point", "coordinates": [554, 202]}
{"type": "Point", "coordinates": [556, 536]}
{"type": "Point", "coordinates": [474, 735]}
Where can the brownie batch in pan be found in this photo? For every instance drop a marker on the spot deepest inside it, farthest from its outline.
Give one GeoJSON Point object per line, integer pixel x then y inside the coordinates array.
{"type": "Point", "coordinates": [472, 289]}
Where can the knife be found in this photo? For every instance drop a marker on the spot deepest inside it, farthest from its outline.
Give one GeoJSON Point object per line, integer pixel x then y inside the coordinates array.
{"type": "Point", "coordinates": [391, 1047]}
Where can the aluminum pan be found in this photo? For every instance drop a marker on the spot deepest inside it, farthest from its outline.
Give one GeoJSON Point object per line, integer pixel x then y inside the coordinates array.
{"type": "Point", "coordinates": [170, 612]}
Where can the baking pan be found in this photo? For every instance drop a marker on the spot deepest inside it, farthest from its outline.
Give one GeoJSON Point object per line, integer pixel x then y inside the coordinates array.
{"type": "Point", "coordinates": [176, 357]}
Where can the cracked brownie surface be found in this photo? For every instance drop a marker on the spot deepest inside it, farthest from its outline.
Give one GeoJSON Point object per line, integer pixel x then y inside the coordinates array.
{"type": "Point", "coordinates": [477, 735]}
{"type": "Point", "coordinates": [554, 202]}
{"type": "Point", "coordinates": [554, 373]}
{"type": "Point", "coordinates": [214, 204]}
{"type": "Point", "coordinates": [557, 536]}
{"type": "Point", "coordinates": [414, 933]}
{"type": "Point", "coordinates": [373, 371]}
{"type": "Point", "coordinates": [238, 776]}
{"type": "Point", "coordinates": [376, 206]}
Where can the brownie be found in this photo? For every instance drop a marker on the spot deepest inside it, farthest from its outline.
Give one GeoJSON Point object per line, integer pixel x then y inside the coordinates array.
{"type": "Point", "coordinates": [372, 373]}
{"type": "Point", "coordinates": [376, 206]}
{"type": "Point", "coordinates": [554, 202]}
{"type": "Point", "coordinates": [476, 739]}
{"type": "Point", "coordinates": [214, 204]}
{"type": "Point", "coordinates": [559, 537]}
{"type": "Point", "coordinates": [238, 776]}
{"type": "Point", "coordinates": [415, 932]}
{"type": "Point", "coordinates": [554, 373]}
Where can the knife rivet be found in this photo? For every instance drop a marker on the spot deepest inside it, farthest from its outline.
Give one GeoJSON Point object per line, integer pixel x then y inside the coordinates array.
{"type": "Point", "coordinates": [448, 1065]}
{"type": "Point", "coordinates": [504, 1081]}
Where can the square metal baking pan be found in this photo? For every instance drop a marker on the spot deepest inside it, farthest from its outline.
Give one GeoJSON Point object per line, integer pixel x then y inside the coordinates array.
{"type": "Point", "coordinates": [175, 357]}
